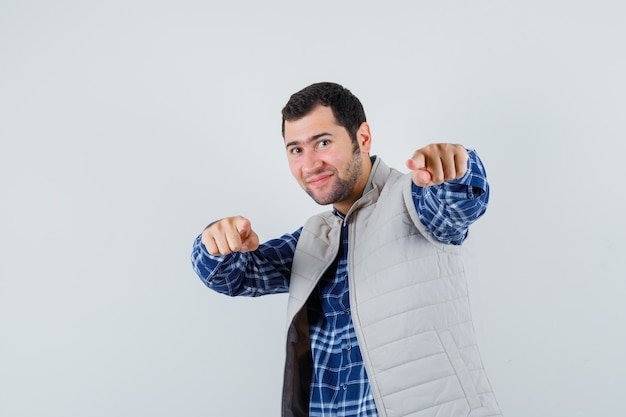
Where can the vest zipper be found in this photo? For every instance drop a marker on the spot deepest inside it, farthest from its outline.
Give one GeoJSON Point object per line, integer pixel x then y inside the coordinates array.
{"type": "Point", "coordinates": [354, 311]}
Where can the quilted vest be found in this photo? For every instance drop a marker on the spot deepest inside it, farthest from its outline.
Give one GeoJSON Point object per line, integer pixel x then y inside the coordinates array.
{"type": "Point", "coordinates": [409, 304]}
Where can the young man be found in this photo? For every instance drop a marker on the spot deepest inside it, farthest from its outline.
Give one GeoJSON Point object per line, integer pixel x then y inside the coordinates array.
{"type": "Point", "coordinates": [379, 320]}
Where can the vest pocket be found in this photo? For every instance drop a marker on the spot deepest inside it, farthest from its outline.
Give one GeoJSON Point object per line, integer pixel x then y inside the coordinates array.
{"type": "Point", "coordinates": [462, 374]}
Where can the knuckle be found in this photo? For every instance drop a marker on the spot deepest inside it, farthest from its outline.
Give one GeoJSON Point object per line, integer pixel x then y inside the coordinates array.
{"type": "Point", "coordinates": [438, 178]}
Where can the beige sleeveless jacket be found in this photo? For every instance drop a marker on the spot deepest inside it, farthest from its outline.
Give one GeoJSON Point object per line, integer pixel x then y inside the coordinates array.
{"type": "Point", "coordinates": [409, 304]}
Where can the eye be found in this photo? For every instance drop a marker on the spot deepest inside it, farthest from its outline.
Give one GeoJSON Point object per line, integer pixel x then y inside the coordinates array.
{"type": "Point", "coordinates": [294, 151]}
{"type": "Point", "coordinates": [323, 143]}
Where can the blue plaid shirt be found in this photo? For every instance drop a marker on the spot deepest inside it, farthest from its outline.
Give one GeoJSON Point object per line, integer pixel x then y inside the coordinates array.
{"type": "Point", "coordinates": [339, 386]}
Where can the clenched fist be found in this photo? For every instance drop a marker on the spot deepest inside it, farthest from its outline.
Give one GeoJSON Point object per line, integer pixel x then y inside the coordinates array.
{"type": "Point", "coordinates": [436, 163]}
{"type": "Point", "coordinates": [232, 234]}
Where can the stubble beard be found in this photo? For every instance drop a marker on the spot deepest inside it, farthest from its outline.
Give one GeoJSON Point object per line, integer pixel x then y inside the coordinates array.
{"type": "Point", "coordinates": [343, 189]}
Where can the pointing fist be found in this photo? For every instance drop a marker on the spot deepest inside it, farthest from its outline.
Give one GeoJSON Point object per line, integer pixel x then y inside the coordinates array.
{"type": "Point", "coordinates": [436, 163]}
{"type": "Point", "coordinates": [232, 234]}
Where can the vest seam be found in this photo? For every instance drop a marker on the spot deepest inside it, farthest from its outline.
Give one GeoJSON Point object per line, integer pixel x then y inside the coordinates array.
{"type": "Point", "coordinates": [412, 360]}
{"type": "Point", "coordinates": [395, 241]}
{"type": "Point", "coordinates": [452, 375]}
{"type": "Point", "coordinates": [429, 331]}
{"type": "Point", "coordinates": [374, 276]}
{"type": "Point", "coordinates": [420, 307]}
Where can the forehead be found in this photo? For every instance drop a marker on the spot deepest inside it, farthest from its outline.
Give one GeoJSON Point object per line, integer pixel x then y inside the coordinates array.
{"type": "Point", "coordinates": [320, 119]}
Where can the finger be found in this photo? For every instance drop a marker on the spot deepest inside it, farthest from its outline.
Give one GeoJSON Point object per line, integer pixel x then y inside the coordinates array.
{"type": "Point", "coordinates": [215, 241]}
{"type": "Point", "coordinates": [417, 164]}
{"type": "Point", "coordinates": [448, 166]}
{"type": "Point", "coordinates": [434, 165]}
{"type": "Point", "coordinates": [454, 159]}
{"type": "Point", "coordinates": [461, 161]}
{"type": "Point", "coordinates": [232, 240]}
{"type": "Point", "coordinates": [243, 227]}
{"type": "Point", "coordinates": [209, 243]}
{"type": "Point", "coordinates": [251, 242]}
{"type": "Point", "coordinates": [418, 161]}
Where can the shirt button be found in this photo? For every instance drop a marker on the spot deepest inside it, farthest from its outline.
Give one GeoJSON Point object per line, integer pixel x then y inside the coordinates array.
{"type": "Point", "coordinates": [346, 311]}
{"type": "Point", "coordinates": [349, 347]}
{"type": "Point", "coordinates": [344, 386]}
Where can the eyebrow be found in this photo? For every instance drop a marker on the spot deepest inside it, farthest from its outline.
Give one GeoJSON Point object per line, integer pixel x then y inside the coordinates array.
{"type": "Point", "coordinates": [307, 140]}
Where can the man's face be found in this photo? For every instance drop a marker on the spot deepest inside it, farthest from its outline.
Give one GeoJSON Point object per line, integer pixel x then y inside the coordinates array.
{"type": "Point", "coordinates": [323, 160]}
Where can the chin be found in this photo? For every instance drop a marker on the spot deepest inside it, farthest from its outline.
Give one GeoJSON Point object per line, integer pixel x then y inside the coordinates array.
{"type": "Point", "coordinates": [319, 199]}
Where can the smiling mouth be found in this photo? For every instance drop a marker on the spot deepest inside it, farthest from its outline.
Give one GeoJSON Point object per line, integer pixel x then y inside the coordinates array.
{"type": "Point", "coordinates": [317, 180]}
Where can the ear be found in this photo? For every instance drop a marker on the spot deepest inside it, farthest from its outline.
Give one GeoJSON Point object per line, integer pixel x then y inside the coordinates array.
{"type": "Point", "coordinates": [364, 137]}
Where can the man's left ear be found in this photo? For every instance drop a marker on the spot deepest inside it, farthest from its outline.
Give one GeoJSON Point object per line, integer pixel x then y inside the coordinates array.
{"type": "Point", "coordinates": [364, 137]}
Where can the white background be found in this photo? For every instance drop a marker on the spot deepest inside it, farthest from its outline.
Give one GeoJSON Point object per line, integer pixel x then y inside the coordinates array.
{"type": "Point", "coordinates": [127, 126]}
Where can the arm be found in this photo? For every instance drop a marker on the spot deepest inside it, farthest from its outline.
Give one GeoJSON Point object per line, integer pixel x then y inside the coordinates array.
{"type": "Point", "coordinates": [449, 203]}
{"type": "Point", "coordinates": [252, 271]}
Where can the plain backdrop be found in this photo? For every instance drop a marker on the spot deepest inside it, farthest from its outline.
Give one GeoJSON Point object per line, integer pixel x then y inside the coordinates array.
{"type": "Point", "coordinates": [127, 126]}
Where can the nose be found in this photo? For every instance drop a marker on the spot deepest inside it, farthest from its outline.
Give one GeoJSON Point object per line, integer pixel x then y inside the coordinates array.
{"type": "Point", "coordinates": [310, 163]}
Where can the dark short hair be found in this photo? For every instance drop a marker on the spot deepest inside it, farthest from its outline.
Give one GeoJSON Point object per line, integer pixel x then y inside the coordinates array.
{"type": "Point", "coordinates": [346, 107]}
